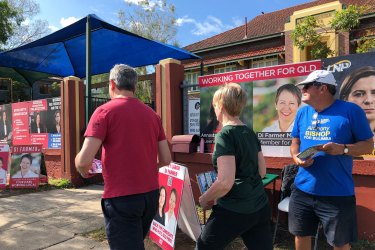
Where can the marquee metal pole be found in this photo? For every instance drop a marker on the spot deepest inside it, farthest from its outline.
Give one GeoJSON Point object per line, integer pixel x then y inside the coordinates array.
{"type": "Point", "coordinates": [88, 70]}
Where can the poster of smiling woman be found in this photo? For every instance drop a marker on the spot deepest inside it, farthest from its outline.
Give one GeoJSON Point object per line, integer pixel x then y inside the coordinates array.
{"type": "Point", "coordinates": [355, 77]}
{"type": "Point", "coordinates": [25, 166]}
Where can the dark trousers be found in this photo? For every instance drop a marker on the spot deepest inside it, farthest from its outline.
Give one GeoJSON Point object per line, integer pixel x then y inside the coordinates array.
{"type": "Point", "coordinates": [128, 219]}
{"type": "Point", "coordinates": [224, 226]}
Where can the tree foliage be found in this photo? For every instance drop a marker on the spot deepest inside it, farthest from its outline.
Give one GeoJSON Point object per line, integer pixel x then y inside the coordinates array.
{"type": "Point", "coordinates": [29, 29]}
{"type": "Point", "coordinates": [347, 19]}
{"type": "Point", "coordinates": [365, 45]}
{"type": "Point", "coordinates": [9, 19]}
{"type": "Point", "coordinates": [154, 20]}
{"type": "Point", "coordinates": [309, 31]}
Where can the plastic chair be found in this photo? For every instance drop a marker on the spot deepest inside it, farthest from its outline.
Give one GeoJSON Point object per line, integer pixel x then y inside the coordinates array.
{"type": "Point", "coordinates": [288, 174]}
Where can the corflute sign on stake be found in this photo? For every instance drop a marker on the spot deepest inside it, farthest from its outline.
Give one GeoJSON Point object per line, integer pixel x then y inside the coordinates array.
{"type": "Point", "coordinates": [176, 207]}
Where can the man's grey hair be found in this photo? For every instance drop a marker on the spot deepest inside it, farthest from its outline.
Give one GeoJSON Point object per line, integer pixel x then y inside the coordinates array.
{"type": "Point", "coordinates": [124, 76]}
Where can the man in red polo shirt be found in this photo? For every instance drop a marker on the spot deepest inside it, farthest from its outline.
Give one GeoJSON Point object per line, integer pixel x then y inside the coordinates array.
{"type": "Point", "coordinates": [134, 146]}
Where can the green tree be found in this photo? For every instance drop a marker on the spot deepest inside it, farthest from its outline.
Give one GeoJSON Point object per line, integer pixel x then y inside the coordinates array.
{"type": "Point", "coordinates": [28, 28]}
{"type": "Point", "coordinates": [9, 19]}
{"type": "Point", "coordinates": [154, 20]}
{"type": "Point", "coordinates": [365, 44]}
{"type": "Point", "coordinates": [309, 31]}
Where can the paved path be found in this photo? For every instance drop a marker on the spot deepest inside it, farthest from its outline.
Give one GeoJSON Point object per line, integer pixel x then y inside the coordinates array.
{"type": "Point", "coordinates": [51, 219]}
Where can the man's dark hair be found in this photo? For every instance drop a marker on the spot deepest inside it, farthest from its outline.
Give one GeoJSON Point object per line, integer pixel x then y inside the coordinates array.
{"type": "Point", "coordinates": [331, 89]}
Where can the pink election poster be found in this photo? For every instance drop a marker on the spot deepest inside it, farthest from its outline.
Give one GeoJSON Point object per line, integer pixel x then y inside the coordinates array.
{"type": "Point", "coordinates": [163, 227]}
{"type": "Point", "coordinates": [25, 166]}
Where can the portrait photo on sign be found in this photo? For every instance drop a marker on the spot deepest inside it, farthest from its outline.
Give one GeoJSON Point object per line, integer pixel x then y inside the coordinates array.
{"type": "Point", "coordinates": [355, 77]}
{"type": "Point", "coordinates": [6, 123]}
{"type": "Point", "coordinates": [26, 165]}
{"type": "Point", "coordinates": [38, 122]}
{"type": "Point", "coordinates": [275, 104]}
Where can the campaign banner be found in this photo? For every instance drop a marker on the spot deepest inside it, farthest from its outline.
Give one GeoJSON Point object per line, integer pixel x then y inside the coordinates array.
{"type": "Point", "coordinates": [263, 87]}
{"type": "Point", "coordinates": [355, 76]}
{"type": "Point", "coordinates": [25, 166]}
{"type": "Point", "coordinates": [20, 121]}
{"type": "Point", "coordinates": [4, 156]}
{"type": "Point", "coordinates": [264, 73]}
{"type": "Point", "coordinates": [163, 227]}
{"type": "Point", "coordinates": [38, 118]}
{"type": "Point", "coordinates": [53, 122]}
{"type": "Point", "coordinates": [34, 122]}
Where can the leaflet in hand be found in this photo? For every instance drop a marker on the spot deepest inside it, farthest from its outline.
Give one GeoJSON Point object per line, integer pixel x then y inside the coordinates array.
{"type": "Point", "coordinates": [96, 167]}
{"type": "Point", "coordinates": [205, 180]}
{"type": "Point", "coordinates": [309, 152]}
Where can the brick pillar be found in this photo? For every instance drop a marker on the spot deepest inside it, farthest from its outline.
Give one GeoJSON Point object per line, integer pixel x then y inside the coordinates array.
{"type": "Point", "coordinates": [288, 47]}
{"type": "Point", "coordinates": [169, 77]}
{"type": "Point", "coordinates": [73, 117]}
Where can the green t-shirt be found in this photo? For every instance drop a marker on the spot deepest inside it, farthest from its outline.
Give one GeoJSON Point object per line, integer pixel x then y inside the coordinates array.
{"type": "Point", "coordinates": [247, 194]}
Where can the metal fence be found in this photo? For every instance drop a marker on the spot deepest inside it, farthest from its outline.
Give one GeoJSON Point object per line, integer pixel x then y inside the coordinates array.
{"type": "Point", "coordinates": [98, 101]}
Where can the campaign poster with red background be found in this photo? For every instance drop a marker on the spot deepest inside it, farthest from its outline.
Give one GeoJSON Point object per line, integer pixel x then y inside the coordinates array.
{"type": "Point", "coordinates": [257, 83]}
{"type": "Point", "coordinates": [20, 122]}
{"type": "Point", "coordinates": [4, 156]}
{"type": "Point", "coordinates": [25, 166]}
{"type": "Point", "coordinates": [34, 122]}
{"type": "Point", "coordinates": [171, 179]}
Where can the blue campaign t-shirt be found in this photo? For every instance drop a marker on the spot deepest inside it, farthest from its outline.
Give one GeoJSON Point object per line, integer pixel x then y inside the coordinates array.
{"type": "Point", "coordinates": [343, 123]}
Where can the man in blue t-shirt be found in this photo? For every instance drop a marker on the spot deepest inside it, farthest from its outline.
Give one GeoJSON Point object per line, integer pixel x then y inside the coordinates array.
{"type": "Point", "coordinates": [324, 188]}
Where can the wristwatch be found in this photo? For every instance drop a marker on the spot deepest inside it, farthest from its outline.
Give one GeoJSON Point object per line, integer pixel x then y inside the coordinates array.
{"type": "Point", "coordinates": [346, 150]}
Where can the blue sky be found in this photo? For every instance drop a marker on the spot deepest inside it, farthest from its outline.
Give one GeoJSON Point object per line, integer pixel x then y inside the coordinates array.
{"type": "Point", "coordinates": [197, 19]}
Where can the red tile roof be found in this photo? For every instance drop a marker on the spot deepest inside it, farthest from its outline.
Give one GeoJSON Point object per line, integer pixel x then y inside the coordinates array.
{"type": "Point", "coordinates": [235, 56]}
{"type": "Point", "coordinates": [266, 24]}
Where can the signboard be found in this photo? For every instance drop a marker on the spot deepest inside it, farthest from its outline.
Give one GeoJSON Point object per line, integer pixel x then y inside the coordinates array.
{"type": "Point", "coordinates": [261, 113]}
{"type": "Point", "coordinates": [176, 206]}
{"type": "Point", "coordinates": [25, 166]}
{"type": "Point", "coordinates": [34, 122]}
{"type": "Point", "coordinates": [194, 112]}
{"type": "Point", "coordinates": [355, 76]}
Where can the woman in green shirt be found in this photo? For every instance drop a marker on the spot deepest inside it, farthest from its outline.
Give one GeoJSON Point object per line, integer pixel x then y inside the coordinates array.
{"type": "Point", "coordinates": [241, 204]}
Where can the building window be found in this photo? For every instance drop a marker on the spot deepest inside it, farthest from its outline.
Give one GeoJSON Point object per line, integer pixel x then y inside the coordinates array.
{"type": "Point", "coordinates": [309, 57]}
{"type": "Point", "coordinates": [5, 84]}
{"type": "Point", "coordinates": [226, 68]}
{"type": "Point", "coordinates": [49, 88]}
{"type": "Point", "coordinates": [264, 62]}
{"type": "Point", "coordinates": [45, 89]}
{"type": "Point", "coordinates": [192, 78]}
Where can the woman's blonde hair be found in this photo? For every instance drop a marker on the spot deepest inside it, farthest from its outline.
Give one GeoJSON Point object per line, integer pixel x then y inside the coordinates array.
{"type": "Point", "coordinates": [231, 97]}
